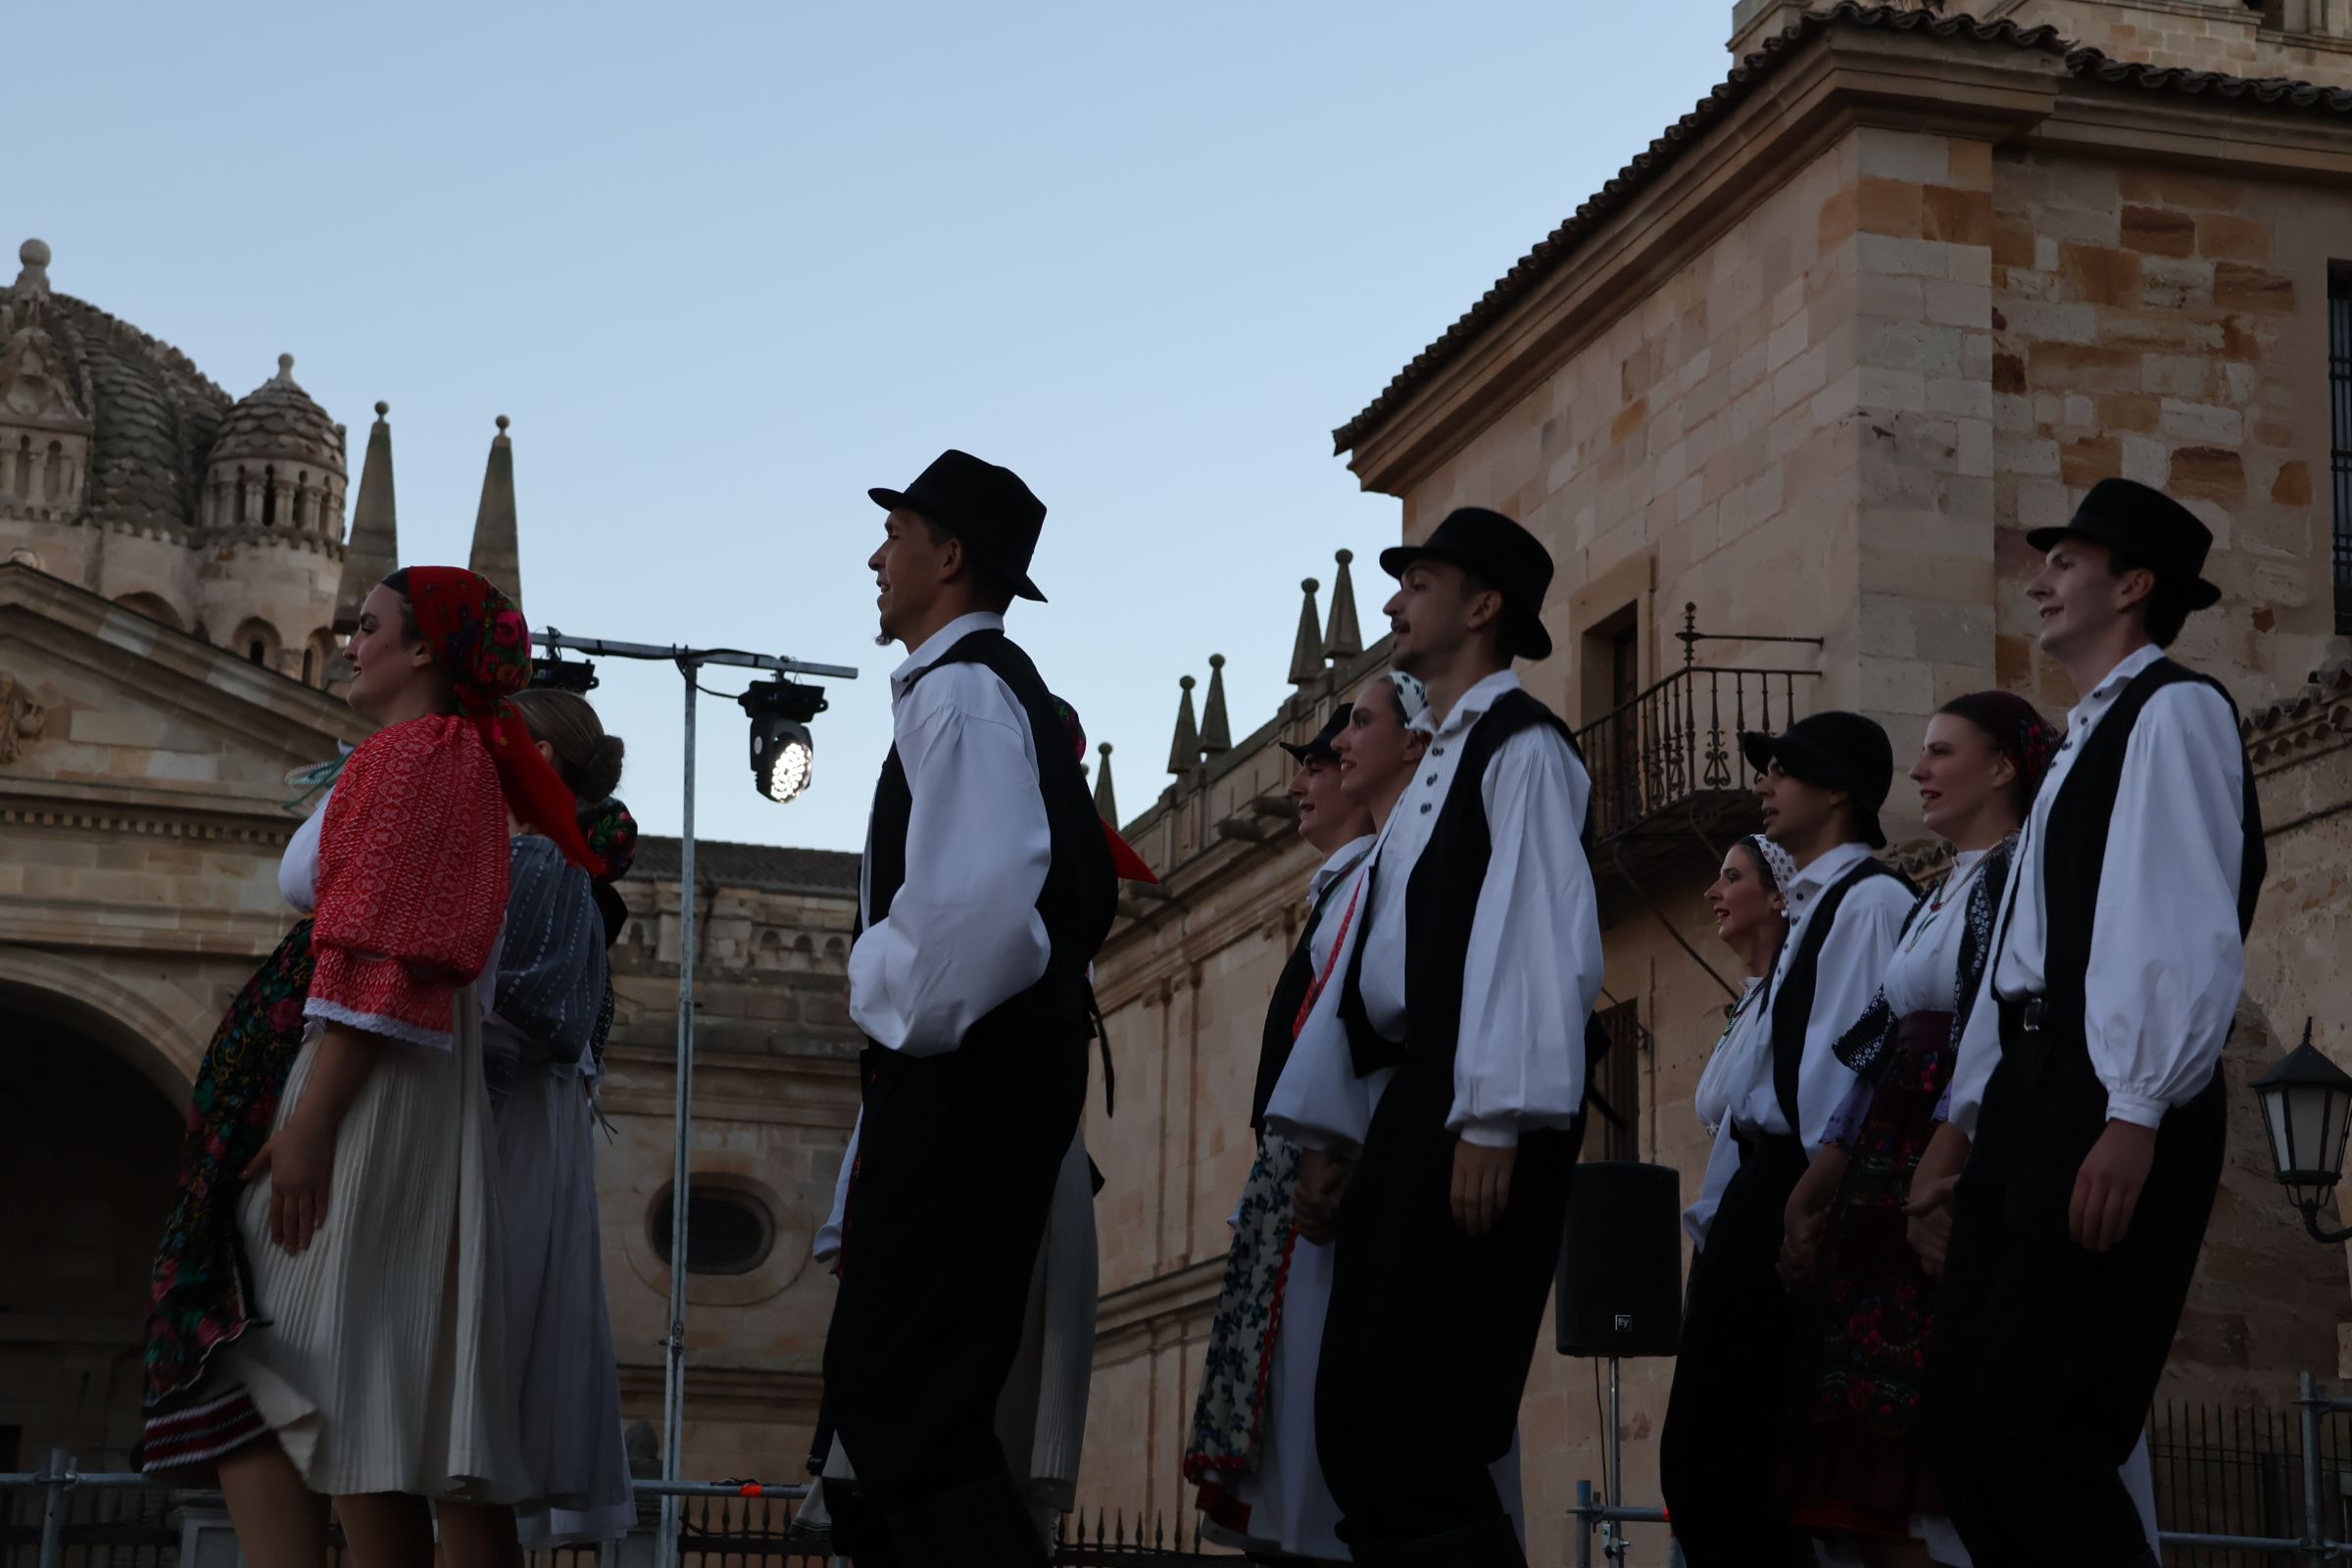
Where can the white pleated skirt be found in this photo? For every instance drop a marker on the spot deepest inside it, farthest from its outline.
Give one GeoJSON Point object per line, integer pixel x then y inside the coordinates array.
{"type": "Point", "coordinates": [381, 1365]}
{"type": "Point", "coordinates": [566, 1385]}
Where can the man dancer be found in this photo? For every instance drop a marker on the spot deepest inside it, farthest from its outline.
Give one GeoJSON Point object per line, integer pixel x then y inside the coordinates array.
{"type": "Point", "coordinates": [1473, 978]}
{"type": "Point", "coordinates": [986, 891]}
{"type": "Point", "coordinates": [2088, 1076]}
{"type": "Point", "coordinates": [1822, 785]}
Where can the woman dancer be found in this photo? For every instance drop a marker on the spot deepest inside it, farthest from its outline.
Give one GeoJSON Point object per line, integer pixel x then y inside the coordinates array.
{"type": "Point", "coordinates": [1752, 919]}
{"type": "Point", "coordinates": [545, 1013]}
{"type": "Point", "coordinates": [1856, 1468]}
{"type": "Point", "coordinates": [370, 1221]}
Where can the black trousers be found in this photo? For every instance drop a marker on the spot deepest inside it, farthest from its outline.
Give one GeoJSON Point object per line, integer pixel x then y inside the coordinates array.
{"type": "Point", "coordinates": [1719, 1454]}
{"type": "Point", "coordinates": [956, 1173]}
{"type": "Point", "coordinates": [2047, 1356]}
{"type": "Point", "coordinates": [1430, 1333]}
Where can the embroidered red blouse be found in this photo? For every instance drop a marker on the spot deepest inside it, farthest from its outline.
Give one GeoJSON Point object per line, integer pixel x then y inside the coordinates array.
{"type": "Point", "coordinates": [411, 881]}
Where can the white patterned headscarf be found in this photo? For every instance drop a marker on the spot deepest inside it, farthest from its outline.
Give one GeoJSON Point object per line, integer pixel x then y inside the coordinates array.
{"type": "Point", "coordinates": [1779, 863]}
{"type": "Point", "coordinates": [1412, 696]}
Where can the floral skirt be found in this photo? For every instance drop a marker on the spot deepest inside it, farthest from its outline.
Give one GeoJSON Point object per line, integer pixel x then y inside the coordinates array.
{"type": "Point", "coordinates": [1857, 1456]}
{"type": "Point", "coordinates": [1228, 1416]}
{"type": "Point", "coordinates": [201, 1291]}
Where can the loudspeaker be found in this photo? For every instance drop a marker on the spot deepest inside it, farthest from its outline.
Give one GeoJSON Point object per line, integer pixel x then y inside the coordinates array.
{"type": "Point", "coordinates": [1621, 1261]}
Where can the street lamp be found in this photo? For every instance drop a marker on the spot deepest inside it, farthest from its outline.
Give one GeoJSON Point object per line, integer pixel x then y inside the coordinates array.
{"type": "Point", "coordinates": [2306, 1108]}
{"type": "Point", "coordinates": [783, 757]}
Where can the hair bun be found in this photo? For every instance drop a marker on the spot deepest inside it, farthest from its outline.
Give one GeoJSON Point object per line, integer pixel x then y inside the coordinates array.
{"type": "Point", "coordinates": [600, 775]}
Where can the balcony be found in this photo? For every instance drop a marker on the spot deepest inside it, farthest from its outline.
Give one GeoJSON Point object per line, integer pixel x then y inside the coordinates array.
{"type": "Point", "coordinates": [1670, 789]}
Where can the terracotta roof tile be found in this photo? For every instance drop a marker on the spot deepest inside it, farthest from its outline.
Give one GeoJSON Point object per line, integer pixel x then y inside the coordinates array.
{"type": "Point", "coordinates": [2085, 63]}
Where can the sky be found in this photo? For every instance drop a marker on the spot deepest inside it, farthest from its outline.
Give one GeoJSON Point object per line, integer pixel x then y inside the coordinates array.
{"type": "Point", "coordinates": [727, 267]}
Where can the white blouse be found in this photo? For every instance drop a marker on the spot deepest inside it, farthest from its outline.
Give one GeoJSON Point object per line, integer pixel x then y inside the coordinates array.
{"type": "Point", "coordinates": [1319, 1101]}
{"type": "Point", "coordinates": [1748, 1033]}
{"type": "Point", "coordinates": [1924, 975]}
{"type": "Point", "coordinates": [298, 868]}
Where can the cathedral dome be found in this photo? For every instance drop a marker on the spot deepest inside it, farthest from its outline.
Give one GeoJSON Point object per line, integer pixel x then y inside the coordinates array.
{"type": "Point", "coordinates": [277, 422]}
{"type": "Point", "coordinates": [132, 415]}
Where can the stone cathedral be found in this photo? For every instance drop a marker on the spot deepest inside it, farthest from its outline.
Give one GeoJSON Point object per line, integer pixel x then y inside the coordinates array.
{"type": "Point", "coordinates": [176, 574]}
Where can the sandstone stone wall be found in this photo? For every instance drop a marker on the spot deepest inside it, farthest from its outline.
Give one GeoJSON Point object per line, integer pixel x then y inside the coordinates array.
{"type": "Point", "coordinates": [2309, 40]}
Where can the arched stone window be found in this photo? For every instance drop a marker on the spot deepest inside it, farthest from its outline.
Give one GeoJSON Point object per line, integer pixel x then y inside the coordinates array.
{"type": "Point", "coordinates": [259, 642]}
{"type": "Point", "coordinates": [24, 476]}
{"type": "Point", "coordinates": [153, 605]}
{"type": "Point", "coordinates": [53, 476]}
{"type": "Point", "coordinates": [269, 496]}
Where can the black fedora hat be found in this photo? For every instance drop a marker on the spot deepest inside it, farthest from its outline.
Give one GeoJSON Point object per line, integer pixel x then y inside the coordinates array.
{"type": "Point", "coordinates": [1318, 747]}
{"type": "Point", "coordinates": [1504, 556]}
{"type": "Point", "coordinates": [1837, 751]}
{"type": "Point", "coordinates": [2147, 525]}
{"type": "Point", "coordinates": [985, 505]}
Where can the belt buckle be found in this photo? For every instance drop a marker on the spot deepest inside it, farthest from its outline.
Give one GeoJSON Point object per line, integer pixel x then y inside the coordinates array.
{"type": "Point", "coordinates": [2032, 1013]}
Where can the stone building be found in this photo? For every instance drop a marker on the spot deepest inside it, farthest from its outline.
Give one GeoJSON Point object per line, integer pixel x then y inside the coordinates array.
{"type": "Point", "coordinates": [1900, 289]}
{"type": "Point", "coordinates": [173, 570]}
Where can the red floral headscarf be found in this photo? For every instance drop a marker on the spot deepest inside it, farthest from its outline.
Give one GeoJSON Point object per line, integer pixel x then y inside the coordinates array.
{"type": "Point", "coordinates": [482, 643]}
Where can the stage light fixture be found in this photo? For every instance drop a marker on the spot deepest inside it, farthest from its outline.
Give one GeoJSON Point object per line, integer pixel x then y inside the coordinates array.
{"type": "Point", "coordinates": [558, 674]}
{"type": "Point", "coordinates": [783, 757]}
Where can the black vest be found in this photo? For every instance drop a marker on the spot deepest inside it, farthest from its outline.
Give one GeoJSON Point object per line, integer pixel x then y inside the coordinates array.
{"type": "Point", "coordinates": [1793, 1002]}
{"type": "Point", "coordinates": [1282, 1013]}
{"type": "Point", "coordinates": [1441, 898]}
{"type": "Point", "coordinates": [1080, 897]}
{"type": "Point", "coordinates": [2074, 847]}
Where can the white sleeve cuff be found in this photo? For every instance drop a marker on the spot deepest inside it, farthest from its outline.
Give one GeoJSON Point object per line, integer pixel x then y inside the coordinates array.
{"type": "Point", "coordinates": [1502, 1133]}
{"type": "Point", "coordinates": [2137, 1110]}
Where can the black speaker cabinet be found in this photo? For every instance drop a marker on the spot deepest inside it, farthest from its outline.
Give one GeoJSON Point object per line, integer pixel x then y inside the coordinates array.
{"type": "Point", "coordinates": [1621, 1261]}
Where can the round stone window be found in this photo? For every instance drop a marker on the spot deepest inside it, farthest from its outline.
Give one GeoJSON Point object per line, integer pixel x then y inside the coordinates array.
{"type": "Point", "coordinates": [727, 1232]}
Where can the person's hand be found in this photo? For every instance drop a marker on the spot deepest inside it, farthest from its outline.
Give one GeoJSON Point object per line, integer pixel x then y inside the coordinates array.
{"type": "Point", "coordinates": [1323, 1178]}
{"type": "Point", "coordinates": [2108, 1186]}
{"type": "Point", "coordinates": [1927, 1223]}
{"type": "Point", "coordinates": [1806, 1220]}
{"type": "Point", "coordinates": [1482, 1185]}
{"type": "Point", "coordinates": [300, 1161]}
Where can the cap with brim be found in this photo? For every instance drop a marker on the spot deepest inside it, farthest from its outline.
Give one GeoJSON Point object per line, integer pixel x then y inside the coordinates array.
{"type": "Point", "coordinates": [1318, 748]}
{"type": "Point", "coordinates": [1837, 751]}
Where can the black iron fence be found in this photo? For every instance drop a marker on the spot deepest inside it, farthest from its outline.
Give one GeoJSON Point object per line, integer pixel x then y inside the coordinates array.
{"type": "Point", "coordinates": [1681, 738]}
{"type": "Point", "coordinates": [2222, 1471]}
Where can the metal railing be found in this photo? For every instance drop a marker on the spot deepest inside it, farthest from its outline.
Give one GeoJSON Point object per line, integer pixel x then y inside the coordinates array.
{"type": "Point", "coordinates": [2240, 1473]}
{"type": "Point", "coordinates": [1680, 738]}
{"type": "Point", "coordinates": [111, 1519]}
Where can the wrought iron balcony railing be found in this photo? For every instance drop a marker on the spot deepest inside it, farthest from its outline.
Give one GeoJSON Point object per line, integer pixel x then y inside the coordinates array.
{"type": "Point", "coordinates": [1676, 743]}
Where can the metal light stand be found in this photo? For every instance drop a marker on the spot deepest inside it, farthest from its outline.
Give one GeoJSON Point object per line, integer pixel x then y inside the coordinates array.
{"type": "Point", "coordinates": [689, 662]}
{"type": "Point", "coordinates": [1612, 1532]}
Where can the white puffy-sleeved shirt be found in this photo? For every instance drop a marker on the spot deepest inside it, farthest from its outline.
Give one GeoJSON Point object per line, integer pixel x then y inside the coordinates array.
{"type": "Point", "coordinates": [1747, 1034]}
{"type": "Point", "coordinates": [1319, 1101]}
{"type": "Point", "coordinates": [1852, 963]}
{"type": "Point", "coordinates": [964, 935]}
{"type": "Point", "coordinates": [2168, 962]}
{"type": "Point", "coordinates": [1535, 961]}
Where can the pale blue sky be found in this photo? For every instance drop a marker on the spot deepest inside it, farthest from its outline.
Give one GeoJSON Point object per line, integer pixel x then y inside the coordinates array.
{"type": "Point", "coordinates": [728, 265]}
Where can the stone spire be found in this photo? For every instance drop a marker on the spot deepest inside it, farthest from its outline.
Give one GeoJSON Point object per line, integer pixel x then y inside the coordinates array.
{"type": "Point", "coordinates": [34, 279]}
{"type": "Point", "coordinates": [372, 553]}
{"type": "Point", "coordinates": [1343, 638]}
{"type": "Point", "coordinates": [1107, 799]}
{"type": "Point", "coordinates": [1306, 654]}
{"type": "Point", "coordinates": [1216, 735]}
{"type": "Point", "coordinates": [1184, 753]}
{"type": "Point", "coordinates": [497, 549]}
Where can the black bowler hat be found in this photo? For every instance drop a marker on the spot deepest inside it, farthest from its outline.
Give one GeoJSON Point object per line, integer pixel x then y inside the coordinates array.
{"type": "Point", "coordinates": [1504, 556]}
{"type": "Point", "coordinates": [1319, 749]}
{"type": "Point", "coordinates": [1837, 750]}
{"type": "Point", "coordinates": [2148, 526]}
{"type": "Point", "coordinates": [985, 505]}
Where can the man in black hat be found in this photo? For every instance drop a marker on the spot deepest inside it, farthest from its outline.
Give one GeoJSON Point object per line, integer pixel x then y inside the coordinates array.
{"type": "Point", "coordinates": [1822, 785]}
{"type": "Point", "coordinates": [987, 889]}
{"type": "Point", "coordinates": [2088, 1077]}
{"type": "Point", "coordinates": [1468, 993]}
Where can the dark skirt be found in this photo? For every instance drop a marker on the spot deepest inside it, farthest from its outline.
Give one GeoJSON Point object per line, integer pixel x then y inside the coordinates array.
{"type": "Point", "coordinates": [201, 1290]}
{"type": "Point", "coordinates": [1857, 1459]}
